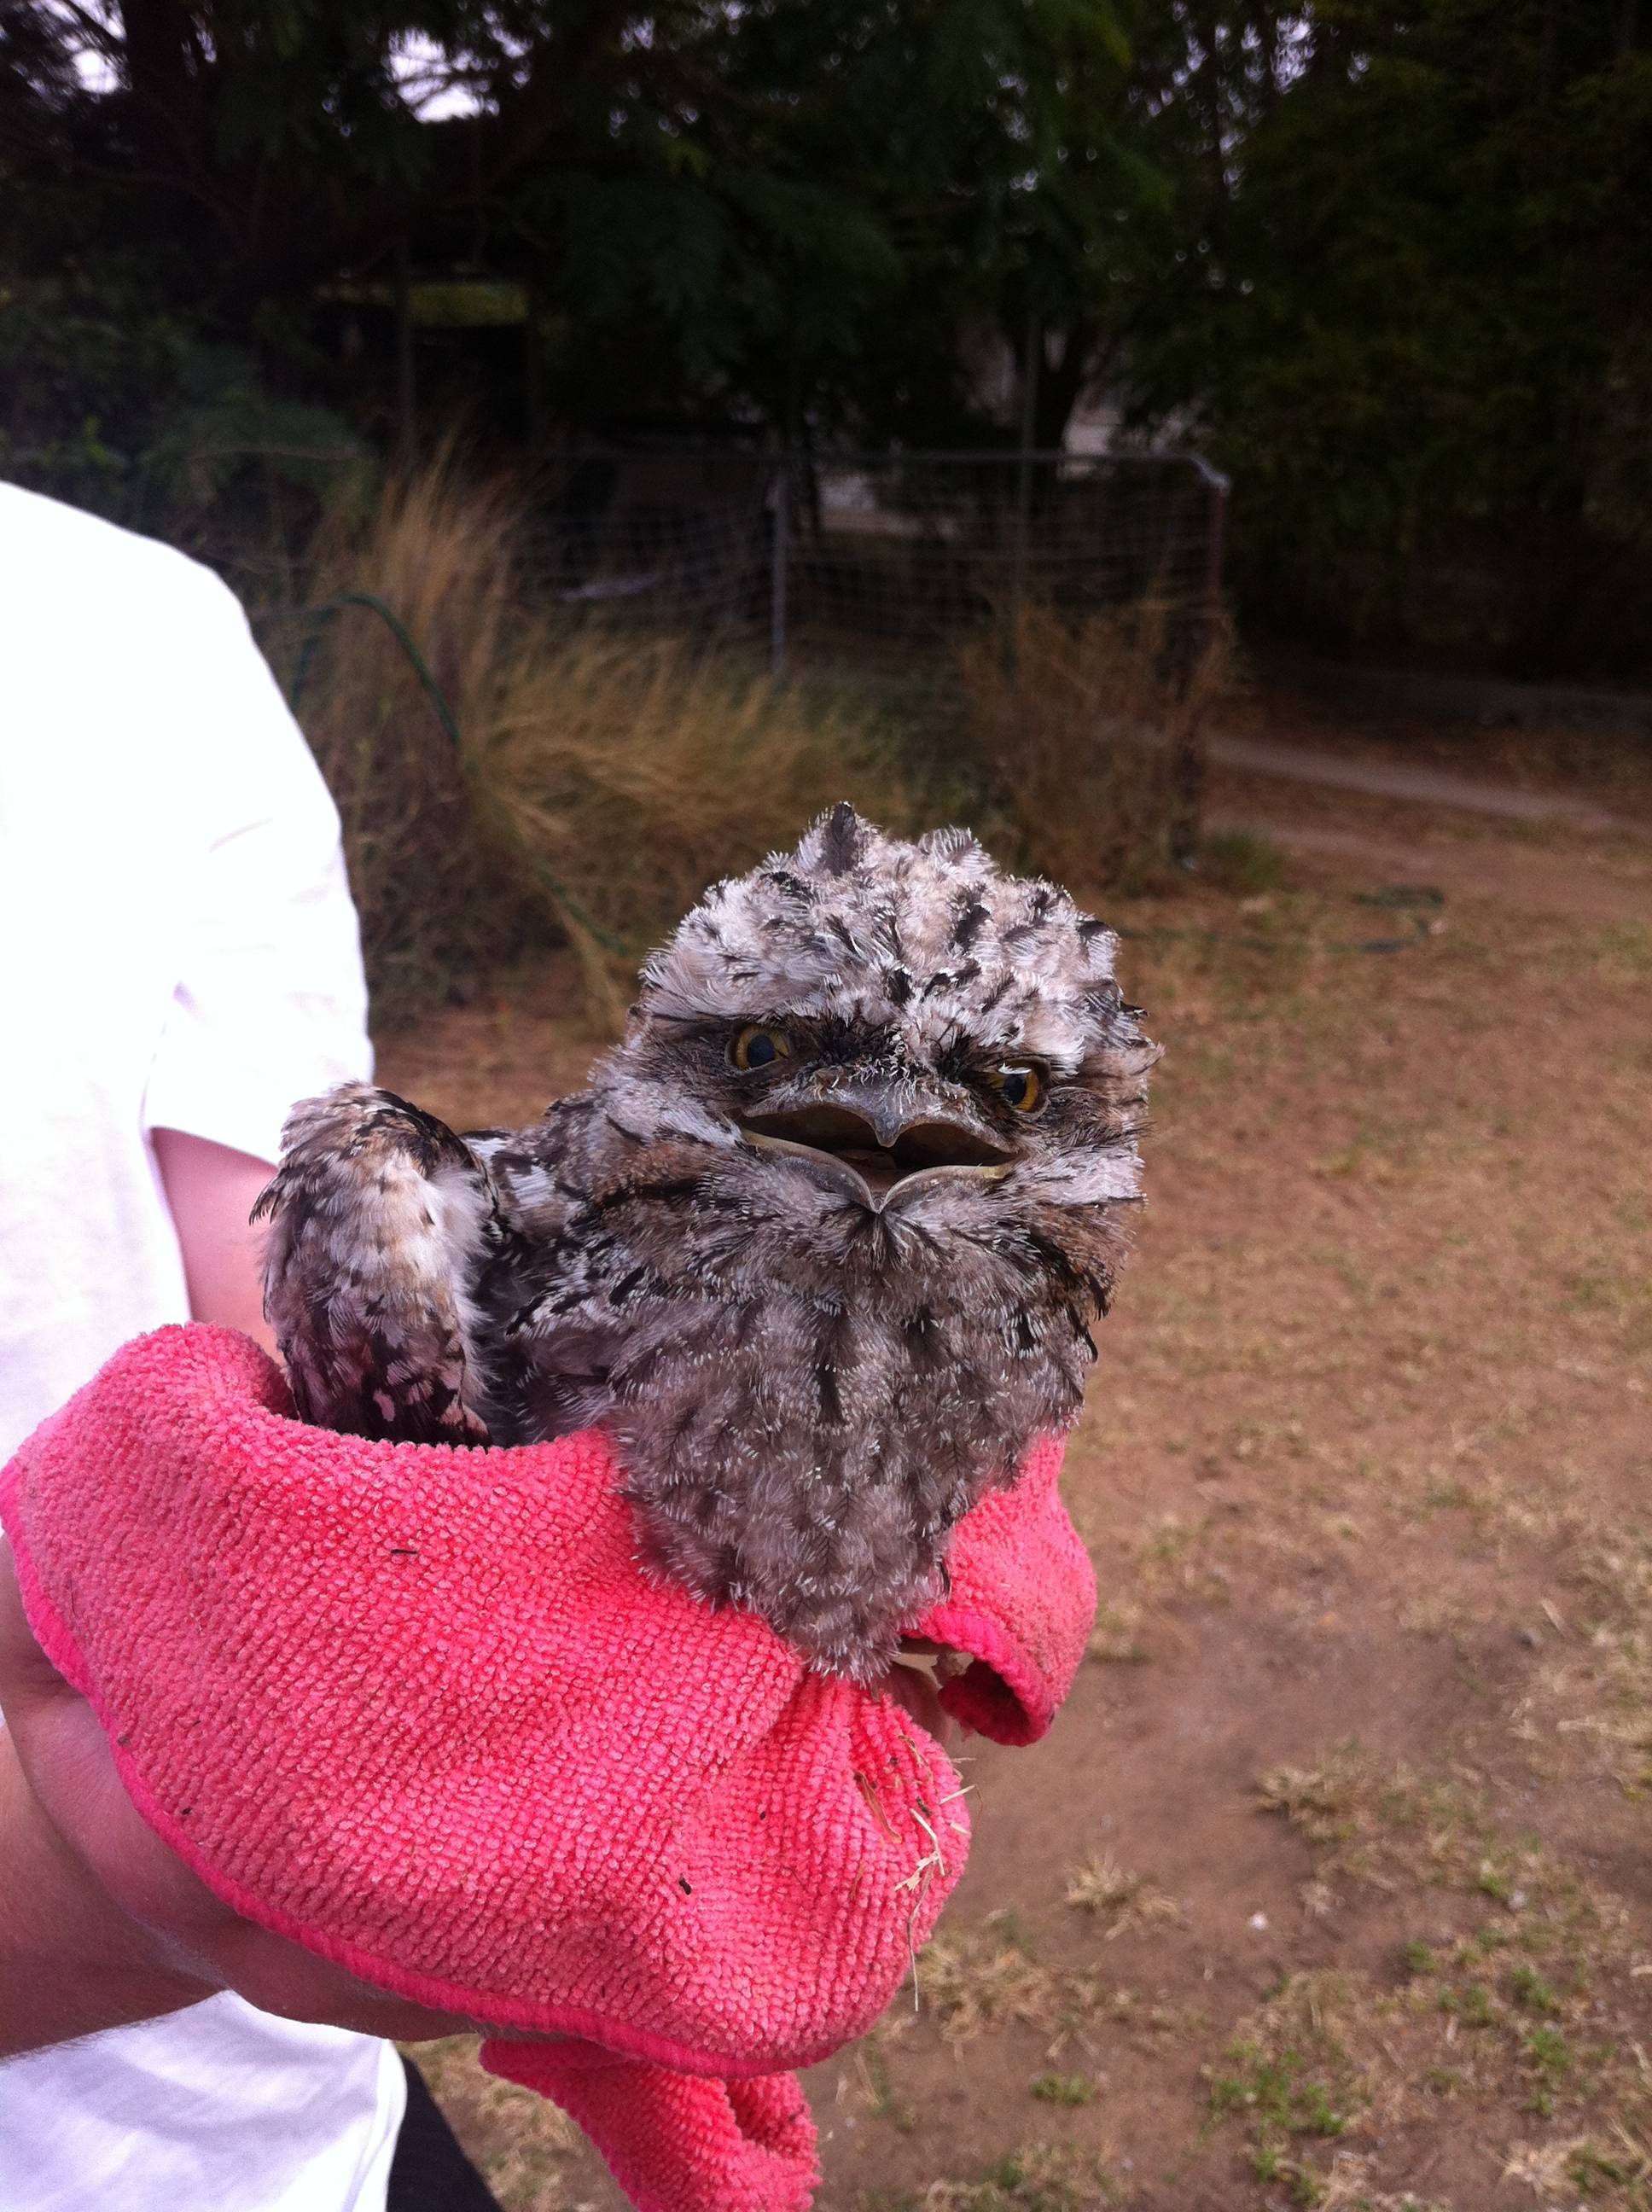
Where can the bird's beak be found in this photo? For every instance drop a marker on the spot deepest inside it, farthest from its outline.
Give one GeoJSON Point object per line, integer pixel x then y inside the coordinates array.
{"type": "Point", "coordinates": [873, 1141]}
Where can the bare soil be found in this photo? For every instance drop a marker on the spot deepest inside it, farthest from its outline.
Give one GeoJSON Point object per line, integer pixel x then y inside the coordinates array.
{"type": "Point", "coordinates": [1331, 1884]}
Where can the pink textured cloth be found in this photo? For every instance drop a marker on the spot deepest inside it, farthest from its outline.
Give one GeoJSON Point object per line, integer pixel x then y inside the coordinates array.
{"type": "Point", "coordinates": [418, 1709]}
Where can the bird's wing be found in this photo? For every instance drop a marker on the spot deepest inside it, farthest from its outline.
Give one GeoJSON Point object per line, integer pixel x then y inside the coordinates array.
{"type": "Point", "coordinates": [381, 1219]}
{"type": "Point", "coordinates": [541, 1290]}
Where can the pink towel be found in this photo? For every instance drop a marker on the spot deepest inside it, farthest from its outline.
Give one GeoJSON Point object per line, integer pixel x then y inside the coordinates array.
{"type": "Point", "coordinates": [418, 1709]}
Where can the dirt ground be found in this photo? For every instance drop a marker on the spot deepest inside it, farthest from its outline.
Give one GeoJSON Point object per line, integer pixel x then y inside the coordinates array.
{"type": "Point", "coordinates": [1331, 1885]}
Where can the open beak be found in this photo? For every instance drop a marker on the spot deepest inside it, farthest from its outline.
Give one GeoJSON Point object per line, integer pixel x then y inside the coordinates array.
{"type": "Point", "coordinates": [878, 1151]}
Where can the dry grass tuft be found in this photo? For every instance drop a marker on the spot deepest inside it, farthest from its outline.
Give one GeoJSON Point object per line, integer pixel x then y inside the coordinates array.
{"type": "Point", "coordinates": [978, 1980]}
{"type": "Point", "coordinates": [1117, 1639]}
{"type": "Point", "coordinates": [1040, 2177]}
{"type": "Point", "coordinates": [1597, 1685]}
{"type": "Point", "coordinates": [1084, 730]}
{"type": "Point", "coordinates": [1320, 1799]}
{"type": "Point", "coordinates": [981, 1979]}
{"type": "Point", "coordinates": [1126, 1900]}
{"type": "Point", "coordinates": [634, 770]}
{"type": "Point", "coordinates": [600, 779]}
{"type": "Point", "coordinates": [439, 893]}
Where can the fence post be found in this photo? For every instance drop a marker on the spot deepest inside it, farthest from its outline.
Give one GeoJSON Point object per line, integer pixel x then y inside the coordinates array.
{"type": "Point", "coordinates": [778, 559]}
{"type": "Point", "coordinates": [1031, 360]}
{"type": "Point", "coordinates": [406, 401]}
{"type": "Point", "coordinates": [1207, 627]}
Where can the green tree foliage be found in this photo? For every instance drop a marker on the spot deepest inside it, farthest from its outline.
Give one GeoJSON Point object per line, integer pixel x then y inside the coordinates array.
{"type": "Point", "coordinates": [778, 211]}
{"type": "Point", "coordinates": [1410, 310]}
{"type": "Point", "coordinates": [1385, 258]}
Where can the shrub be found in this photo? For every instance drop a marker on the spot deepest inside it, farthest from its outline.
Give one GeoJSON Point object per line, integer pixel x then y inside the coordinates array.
{"type": "Point", "coordinates": [600, 779]}
{"type": "Point", "coordinates": [1084, 731]}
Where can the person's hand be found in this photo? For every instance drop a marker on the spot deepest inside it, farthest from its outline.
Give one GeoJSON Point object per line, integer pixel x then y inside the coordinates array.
{"type": "Point", "coordinates": [101, 1924]}
{"type": "Point", "coordinates": [914, 1682]}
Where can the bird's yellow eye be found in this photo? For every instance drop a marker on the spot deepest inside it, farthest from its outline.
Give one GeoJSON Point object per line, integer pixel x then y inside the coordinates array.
{"type": "Point", "coordinates": [758, 1047]}
{"type": "Point", "coordinates": [1022, 1087]}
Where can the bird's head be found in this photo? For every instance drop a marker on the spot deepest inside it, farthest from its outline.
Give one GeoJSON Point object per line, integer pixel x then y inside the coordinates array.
{"type": "Point", "coordinates": [901, 1031]}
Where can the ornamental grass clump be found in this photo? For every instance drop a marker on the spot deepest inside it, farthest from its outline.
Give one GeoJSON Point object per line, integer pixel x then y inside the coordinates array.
{"type": "Point", "coordinates": [527, 774]}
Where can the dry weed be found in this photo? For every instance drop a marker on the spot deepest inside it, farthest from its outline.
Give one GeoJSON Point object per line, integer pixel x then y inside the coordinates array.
{"type": "Point", "coordinates": [980, 1979]}
{"type": "Point", "coordinates": [592, 782]}
{"type": "Point", "coordinates": [1040, 2177]}
{"type": "Point", "coordinates": [1084, 730]}
{"type": "Point", "coordinates": [1126, 1900]}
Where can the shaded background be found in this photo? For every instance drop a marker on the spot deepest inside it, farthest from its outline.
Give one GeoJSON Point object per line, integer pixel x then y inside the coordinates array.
{"type": "Point", "coordinates": [551, 380]}
{"type": "Point", "coordinates": [1385, 264]}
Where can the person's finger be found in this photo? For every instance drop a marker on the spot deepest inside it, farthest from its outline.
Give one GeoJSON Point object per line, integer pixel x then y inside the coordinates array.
{"type": "Point", "coordinates": [913, 1689]}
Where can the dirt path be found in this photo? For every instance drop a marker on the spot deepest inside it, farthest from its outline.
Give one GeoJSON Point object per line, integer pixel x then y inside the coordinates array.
{"type": "Point", "coordinates": [1554, 851]}
{"type": "Point", "coordinates": [1332, 1883]}
{"type": "Point", "coordinates": [1422, 786]}
{"type": "Point", "coordinates": [1582, 884]}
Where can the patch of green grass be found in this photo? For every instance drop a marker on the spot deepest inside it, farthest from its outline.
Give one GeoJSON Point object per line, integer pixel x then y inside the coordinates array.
{"type": "Point", "coordinates": [1241, 861]}
{"type": "Point", "coordinates": [1280, 2094]}
{"type": "Point", "coordinates": [1064, 2089]}
{"type": "Point", "coordinates": [1038, 2178]}
{"type": "Point", "coordinates": [1471, 2003]}
{"type": "Point", "coordinates": [1548, 2051]}
{"type": "Point", "coordinates": [1532, 1991]}
{"type": "Point", "coordinates": [1550, 2061]}
{"type": "Point", "coordinates": [1269, 2164]}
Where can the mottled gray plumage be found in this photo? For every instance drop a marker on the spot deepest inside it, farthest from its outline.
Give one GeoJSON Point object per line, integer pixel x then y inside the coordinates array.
{"type": "Point", "coordinates": [822, 1301]}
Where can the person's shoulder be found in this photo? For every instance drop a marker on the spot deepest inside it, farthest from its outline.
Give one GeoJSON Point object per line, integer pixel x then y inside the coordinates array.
{"type": "Point", "coordinates": [48, 550]}
{"type": "Point", "coordinates": [138, 665]}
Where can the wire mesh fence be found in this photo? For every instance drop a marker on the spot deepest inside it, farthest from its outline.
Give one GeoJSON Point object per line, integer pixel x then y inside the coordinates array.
{"type": "Point", "coordinates": [1026, 630]}
{"type": "Point", "coordinates": [1092, 580]}
{"type": "Point", "coordinates": [906, 553]}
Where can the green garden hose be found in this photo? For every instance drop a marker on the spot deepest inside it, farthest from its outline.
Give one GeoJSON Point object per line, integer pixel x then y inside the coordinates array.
{"type": "Point", "coordinates": [318, 616]}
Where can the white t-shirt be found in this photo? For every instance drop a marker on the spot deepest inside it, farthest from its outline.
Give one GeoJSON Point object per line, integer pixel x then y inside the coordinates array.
{"type": "Point", "coordinates": [180, 952]}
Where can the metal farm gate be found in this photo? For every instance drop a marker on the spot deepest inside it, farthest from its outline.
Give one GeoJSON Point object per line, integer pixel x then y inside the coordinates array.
{"type": "Point", "coordinates": [900, 553]}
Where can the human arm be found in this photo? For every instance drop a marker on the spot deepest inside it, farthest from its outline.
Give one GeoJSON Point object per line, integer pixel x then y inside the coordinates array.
{"type": "Point", "coordinates": [241, 885]}
{"type": "Point", "coordinates": [70, 1962]}
{"type": "Point", "coordinates": [101, 1924]}
{"type": "Point", "coordinates": [210, 1190]}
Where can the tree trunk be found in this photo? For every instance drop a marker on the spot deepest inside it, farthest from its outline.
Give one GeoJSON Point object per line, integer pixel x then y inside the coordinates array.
{"type": "Point", "coordinates": [1062, 381]}
{"type": "Point", "coordinates": [168, 106]}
